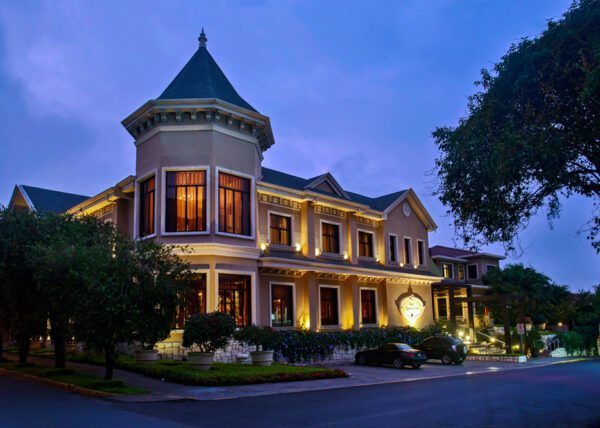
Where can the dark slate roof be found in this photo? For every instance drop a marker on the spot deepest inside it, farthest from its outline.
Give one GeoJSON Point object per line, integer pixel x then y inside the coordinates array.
{"type": "Point", "coordinates": [202, 78]}
{"type": "Point", "coordinates": [45, 200]}
{"type": "Point", "coordinates": [287, 180]}
{"type": "Point", "coordinates": [440, 250]}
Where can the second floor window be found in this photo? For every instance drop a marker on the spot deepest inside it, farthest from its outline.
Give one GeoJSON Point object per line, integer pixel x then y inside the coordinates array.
{"type": "Point", "coordinates": [186, 201]}
{"type": "Point", "coordinates": [461, 272]}
{"type": "Point", "coordinates": [393, 249]}
{"type": "Point", "coordinates": [407, 251]}
{"type": "Point", "coordinates": [472, 272]}
{"type": "Point", "coordinates": [234, 204]}
{"type": "Point", "coordinates": [421, 251]}
{"type": "Point", "coordinates": [447, 270]}
{"type": "Point", "coordinates": [147, 192]}
{"type": "Point", "coordinates": [330, 238]}
{"type": "Point", "coordinates": [365, 244]}
{"type": "Point", "coordinates": [280, 230]}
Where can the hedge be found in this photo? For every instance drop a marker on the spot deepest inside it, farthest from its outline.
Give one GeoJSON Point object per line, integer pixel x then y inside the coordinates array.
{"type": "Point", "coordinates": [298, 346]}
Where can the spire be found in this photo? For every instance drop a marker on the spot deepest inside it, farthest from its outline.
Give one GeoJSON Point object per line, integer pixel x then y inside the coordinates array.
{"type": "Point", "coordinates": [202, 39]}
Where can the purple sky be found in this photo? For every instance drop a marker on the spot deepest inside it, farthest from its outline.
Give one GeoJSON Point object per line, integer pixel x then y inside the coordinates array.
{"type": "Point", "coordinates": [353, 88]}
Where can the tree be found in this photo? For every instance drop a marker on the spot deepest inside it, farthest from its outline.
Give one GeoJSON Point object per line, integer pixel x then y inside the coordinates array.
{"type": "Point", "coordinates": [54, 261]}
{"type": "Point", "coordinates": [20, 303]}
{"type": "Point", "coordinates": [543, 297]}
{"type": "Point", "coordinates": [130, 292]}
{"type": "Point", "coordinates": [532, 134]}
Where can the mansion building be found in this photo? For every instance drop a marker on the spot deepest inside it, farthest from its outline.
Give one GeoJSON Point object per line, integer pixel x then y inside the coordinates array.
{"type": "Point", "coordinates": [268, 247]}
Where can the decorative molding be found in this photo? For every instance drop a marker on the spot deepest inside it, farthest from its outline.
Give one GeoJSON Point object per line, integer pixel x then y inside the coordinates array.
{"type": "Point", "coordinates": [281, 272]}
{"type": "Point", "coordinates": [105, 213]}
{"type": "Point", "coordinates": [279, 201]}
{"type": "Point", "coordinates": [367, 221]}
{"type": "Point", "coordinates": [323, 209]}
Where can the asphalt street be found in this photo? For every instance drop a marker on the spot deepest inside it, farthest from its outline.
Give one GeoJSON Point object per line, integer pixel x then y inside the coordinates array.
{"type": "Point", "coordinates": [564, 395]}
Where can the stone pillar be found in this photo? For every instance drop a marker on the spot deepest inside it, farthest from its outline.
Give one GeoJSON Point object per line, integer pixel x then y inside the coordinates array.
{"type": "Point", "coordinates": [307, 216]}
{"type": "Point", "coordinates": [382, 301]}
{"type": "Point", "coordinates": [352, 294]}
{"type": "Point", "coordinates": [309, 281]}
{"type": "Point", "coordinates": [352, 239]}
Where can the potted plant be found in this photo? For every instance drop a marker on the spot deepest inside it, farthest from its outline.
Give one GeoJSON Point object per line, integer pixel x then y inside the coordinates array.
{"type": "Point", "coordinates": [209, 332]}
{"type": "Point", "coordinates": [266, 338]}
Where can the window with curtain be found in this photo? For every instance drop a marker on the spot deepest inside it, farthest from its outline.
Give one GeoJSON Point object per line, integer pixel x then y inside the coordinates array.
{"type": "Point", "coordinates": [393, 249]}
{"type": "Point", "coordinates": [461, 272]}
{"type": "Point", "coordinates": [280, 230]}
{"type": "Point", "coordinates": [365, 244]}
{"type": "Point", "coordinates": [407, 251]}
{"type": "Point", "coordinates": [330, 238]}
{"type": "Point", "coordinates": [282, 305]}
{"type": "Point", "coordinates": [234, 204]}
{"type": "Point", "coordinates": [146, 208]}
{"type": "Point", "coordinates": [234, 297]}
{"type": "Point", "coordinates": [447, 270]}
{"type": "Point", "coordinates": [329, 306]}
{"type": "Point", "coordinates": [186, 201]}
{"type": "Point", "coordinates": [193, 300]}
{"type": "Point", "coordinates": [367, 307]}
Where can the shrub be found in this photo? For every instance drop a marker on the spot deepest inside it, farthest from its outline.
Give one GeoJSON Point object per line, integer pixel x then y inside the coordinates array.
{"type": "Point", "coordinates": [210, 332]}
{"type": "Point", "coordinates": [572, 341]}
{"type": "Point", "coordinates": [266, 337]}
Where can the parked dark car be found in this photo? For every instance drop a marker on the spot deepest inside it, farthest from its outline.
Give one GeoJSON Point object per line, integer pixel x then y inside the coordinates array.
{"type": "Point", "coordinates": [449, 349]}
{"type": "Point", "coordinates": [394, 354]}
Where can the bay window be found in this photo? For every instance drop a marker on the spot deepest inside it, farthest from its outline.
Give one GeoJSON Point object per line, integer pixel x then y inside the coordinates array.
{"type": "Point", "coordinates": [234, 204]}
{"type": "Point", "coordinates": [282, 305]}
{"type": "Point", "coordinates": [234, 297]}
{"type": "Point", "coordinates": [147, 190]}
{"type": "Point", "coordinates": [193, 300]}
{"type": "Point", "coordinates": [185, 201]}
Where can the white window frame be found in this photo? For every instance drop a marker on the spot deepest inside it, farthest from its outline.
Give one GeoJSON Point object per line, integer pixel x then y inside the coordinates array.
{"type": "Point", "coordinates": [451, 270]}
{"type": "Point", "coordinates": [464, 272]}
{"type": "Point", "coordinates": [291, 217]}
{"type": "Point", "coordinates": [253, 300]}
{"type": "Point", "coordinates": [339, 304]}
{"type": "Point", "coordinates": [376, 306]}
{"type": "Point", "coordinates": [339, 225]}
{"type": "Point", "coordinates": [373, 241]}
{"type": "Point", "coordinates": [136, 204]}
{"type": "Point", "coordinates": [163, 198]}
{"type": "Point", "coordinates": [410, 250]}
{"type": "Point", "coordinates": [396, 248]}
{"type": "Point", "coordinates": [293, 285]}
{"type": "Point", "coordinates": [208, 291]}
{"type": "Point", "coordinates": [422, 260]}
{"type": "Point", "coordinates": [467, 276]}
{"type": "Point", "coordinates": [252, 235]}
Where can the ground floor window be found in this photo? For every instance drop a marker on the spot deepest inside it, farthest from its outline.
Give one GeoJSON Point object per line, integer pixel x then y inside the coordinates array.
{"type": "Point", "coordinates": [442, 308]}
{"type": "Point", "coordinates": [368, 307]}
{"type": "Point", "coordinates": [329, 306]}
{"type": "Point", "coordinates": [234, 297]}
{"type": "Point", "coordinates": [282, 305]}
{"type": "Point", "coordinates": [193, 300]}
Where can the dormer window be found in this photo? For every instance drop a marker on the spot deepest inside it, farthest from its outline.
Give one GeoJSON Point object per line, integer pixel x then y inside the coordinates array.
{"type": "Point", "coordinates": [146, 207]}
{"type": "Point", "coordinates": [365, 244]}
{"type": "Point", "coordinates": [234, 204]}
{"type": "Point", "coordinates": [185, 201]}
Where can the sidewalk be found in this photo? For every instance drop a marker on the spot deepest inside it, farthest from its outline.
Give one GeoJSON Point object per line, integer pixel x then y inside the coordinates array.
{"type": "Point", "coordinates": [359, 376]}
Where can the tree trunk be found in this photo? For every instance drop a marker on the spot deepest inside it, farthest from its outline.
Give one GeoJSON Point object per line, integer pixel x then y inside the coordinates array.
{"type": "Point", "coordinates": [23, 349]}
{"type": "Point", "coordinates": [109, 361]}
{"type": "Point", "coordinates": [58, 336]}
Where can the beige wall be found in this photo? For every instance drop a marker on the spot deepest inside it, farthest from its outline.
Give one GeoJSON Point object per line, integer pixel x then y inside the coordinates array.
{"type": "Point", "coordinates": [263, 222]}
{"type": "Point", "coordinates": [395, 317]}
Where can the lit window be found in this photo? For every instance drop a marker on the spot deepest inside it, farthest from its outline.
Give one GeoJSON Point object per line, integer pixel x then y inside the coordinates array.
{"type": "Point", "coordinates": [193, 300]}
{"type": "Point", "coordinates": [146, 219]}
{"type": "Point", "coordinates": [282, 305]}
{"type": "Point", "coordinates": [281, 229]}
{"type": "Point", "coordinates": [447, 270]}
{"type": "Point", "coordinates": [234, 297]}
{"type": "Point", "coordinates": [365, 244]}
{"type": "Point", "coordinates": [368, 307]}
{"type": "Point", "coordinates": [186, 196]}
{"type": "Point", "coordinates": [330, 238]}
{"type": "Point", "coordinates": [461, 272]}
{"type": "Point", "coordinates": [329, 306]}
{"type": "Point", "coordinates": [234, 204]}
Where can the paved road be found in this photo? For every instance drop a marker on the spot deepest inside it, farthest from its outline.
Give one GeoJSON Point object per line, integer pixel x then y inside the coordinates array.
{"type": "Point", "coordinates": [566, 395]}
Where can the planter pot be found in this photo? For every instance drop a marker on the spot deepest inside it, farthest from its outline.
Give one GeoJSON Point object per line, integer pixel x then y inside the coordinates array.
{"type": "Point", "coordinates": [144, 355]}
{"type": "Point", "coordinates": [262, 358]}
{"type": "Point", "coordinates": [201, 360]}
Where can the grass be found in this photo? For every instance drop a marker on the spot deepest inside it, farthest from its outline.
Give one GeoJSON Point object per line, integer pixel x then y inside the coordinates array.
{"type": "Point", "coordinates": [71, 377]}
{"type": "Point", "coordinates": [219, 375]}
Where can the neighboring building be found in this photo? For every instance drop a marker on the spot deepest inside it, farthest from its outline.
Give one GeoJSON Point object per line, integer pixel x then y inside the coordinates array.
{"type": "Point", "coordinates": [268, 247]}
{"type": "Point", "coordinates": [462, 271]}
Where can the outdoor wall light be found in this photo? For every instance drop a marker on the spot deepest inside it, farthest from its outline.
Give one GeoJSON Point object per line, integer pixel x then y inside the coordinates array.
{"type": "Point", "coordinates": [263, 246]}
{"type": "Point", "coordinates": [345, 256]}
{"type": "Point", "coordinates": [377, 259]}
{"type": "Point", "coordinates": [317, 252]}
{"type": "Point", "coordinates": [401, 264]}
{"type": "Point", "coordinates": [415, 266]}
{"type": "Point", "coordinates": [298, 247]}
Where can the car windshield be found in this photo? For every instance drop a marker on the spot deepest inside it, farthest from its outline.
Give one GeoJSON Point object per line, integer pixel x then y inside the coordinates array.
{"type": "Point", "coordinates": [404, 347]}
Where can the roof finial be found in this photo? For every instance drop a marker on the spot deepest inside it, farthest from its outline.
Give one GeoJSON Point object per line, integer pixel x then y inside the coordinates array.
{"type": "Point", "coordinates": [202, 39]}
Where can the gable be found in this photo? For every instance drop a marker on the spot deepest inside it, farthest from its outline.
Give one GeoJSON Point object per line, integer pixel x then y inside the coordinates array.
{"type": "Point", "coordinates": [326, 187]}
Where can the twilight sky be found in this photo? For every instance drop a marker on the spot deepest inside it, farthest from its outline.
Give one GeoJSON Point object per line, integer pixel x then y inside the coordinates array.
{"type": "Point", "coordinates": [355, 88]}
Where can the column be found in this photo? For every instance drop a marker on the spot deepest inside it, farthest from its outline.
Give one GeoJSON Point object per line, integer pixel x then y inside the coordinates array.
{"type": "Point", "coordinates": [309, 282]}
{"type": "Point", "coordinates": [307, 215]}
{"type": "Point", "coordinates": [352, 293]}
{"type": "Point", "coordinates": [352, 239]}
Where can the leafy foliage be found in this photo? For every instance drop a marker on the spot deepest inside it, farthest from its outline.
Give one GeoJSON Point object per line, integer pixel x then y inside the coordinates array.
{"type": "Point", "coordinates": [266, 337]}
{"type": "Point", "coordinates": [531, 135]}
{"type": "Point", "coordinates": [210, 332]}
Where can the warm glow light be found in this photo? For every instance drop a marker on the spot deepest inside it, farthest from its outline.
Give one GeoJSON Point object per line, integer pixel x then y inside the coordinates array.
{"type": "Point", "coordinates": [345, 256]}
{"type": "Point", "coordinates": [560, 324]}
{"type": "Point", "coordinates": [377, 259]}
{"type": "Point", "coordinates": [460, 334]}
{"type": "Point", "coordinates": [493, 339]}
{"type": "Point", "coordinates": [298, 248]}
{"type": "Point", "coordinates": [401, 264]}
{"type": "Point", "coordinates": [317, 252]}
{"type": "Point", "coordinates": [415, 266]}
{"type": "Point", "coordinates": [263, 246]}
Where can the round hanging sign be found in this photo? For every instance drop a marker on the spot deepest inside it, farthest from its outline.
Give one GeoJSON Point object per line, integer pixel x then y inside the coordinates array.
{"type": "Point", "coordinates": [412, 307]}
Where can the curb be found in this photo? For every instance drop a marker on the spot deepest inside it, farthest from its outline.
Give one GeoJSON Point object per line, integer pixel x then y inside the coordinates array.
{"type": "Point", "coordinates": [56, 384]}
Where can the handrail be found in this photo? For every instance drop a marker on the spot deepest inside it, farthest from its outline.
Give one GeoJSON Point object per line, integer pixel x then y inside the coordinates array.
{"type": "Point", "coordinates": [491, 337]}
